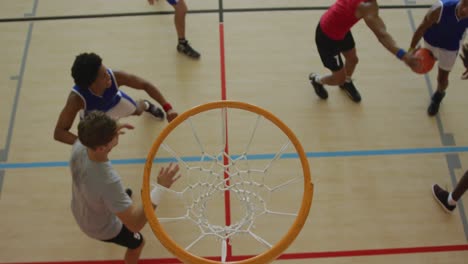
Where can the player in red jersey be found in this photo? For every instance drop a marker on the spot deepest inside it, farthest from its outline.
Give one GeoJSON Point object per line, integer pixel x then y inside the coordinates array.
{"type": "Point", "coordinates": [333, 38]}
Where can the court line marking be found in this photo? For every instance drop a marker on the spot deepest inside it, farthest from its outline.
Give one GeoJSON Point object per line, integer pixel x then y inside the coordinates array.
{"type": "Point", "coordinates": [267, 156]}
{"type": "Point", "coordinates": [318, 154]}
{"type": "Point", "coordinates": [222, 66]}
{"type": "Point", "coordinates": [4, 152]}
{"type": "Point", "coordinates": [290, 256]}
{"type": "Point", "coordinates": [200, 11]}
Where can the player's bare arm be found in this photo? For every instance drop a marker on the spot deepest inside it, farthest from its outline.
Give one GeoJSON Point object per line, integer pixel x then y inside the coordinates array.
{"type": "Point", "coordinates": [134, 217]}
{"type": "Point", "coordinates": [65, 121]}
{"type": "Point", "coordinates": [139, 83]}
{"type": "Point", "coordinates": [369, 11]}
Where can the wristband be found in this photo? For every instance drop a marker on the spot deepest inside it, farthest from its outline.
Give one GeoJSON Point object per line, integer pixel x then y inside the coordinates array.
{"type": "Point", "coordinates": [400, 53]}
{"type": "Point", "coordinates": [167, 107]}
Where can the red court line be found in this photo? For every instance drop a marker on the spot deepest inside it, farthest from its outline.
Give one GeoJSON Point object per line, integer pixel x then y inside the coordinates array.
{"type": "Point", "coordinates": [227, 194]}
{"type": "Point", "coordinates": [374, 252]}
{"type": "Point", "coordinates": [222, 62]}
{"type": "Point", "coordinates": [289, 256]}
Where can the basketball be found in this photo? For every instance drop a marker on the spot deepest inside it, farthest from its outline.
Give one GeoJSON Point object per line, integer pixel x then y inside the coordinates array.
{"type": "Point", "coordinates": [426, 61]}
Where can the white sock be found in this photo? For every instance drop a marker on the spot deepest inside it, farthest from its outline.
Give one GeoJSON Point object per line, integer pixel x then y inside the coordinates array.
{"type": "Point", "coordinates": [317, 79]}
{"type": "Point", "coordinates": [451, 201]}
{"type": "Point", "coordinates": [147, 105]}
{"type": "Point", "coordinates": [348, 79]}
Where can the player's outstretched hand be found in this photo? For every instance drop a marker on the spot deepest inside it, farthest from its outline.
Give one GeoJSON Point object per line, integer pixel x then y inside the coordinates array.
{"type": "Point", "coordinates": [171, 116]}
{"type": "Point", "coordinates": [411, 60]}
{"type": "Point", "coordinates": [167, 175]}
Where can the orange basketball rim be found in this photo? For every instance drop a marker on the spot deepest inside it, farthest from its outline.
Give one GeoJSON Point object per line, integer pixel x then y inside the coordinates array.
{"type": "Point", "coordinates": [265, 257]}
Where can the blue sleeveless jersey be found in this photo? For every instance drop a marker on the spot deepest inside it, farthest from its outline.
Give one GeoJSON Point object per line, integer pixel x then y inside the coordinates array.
{"type": "Point", "coordinates": [450, 31]}
{"type": "Point", "coordinates": [109, 99]}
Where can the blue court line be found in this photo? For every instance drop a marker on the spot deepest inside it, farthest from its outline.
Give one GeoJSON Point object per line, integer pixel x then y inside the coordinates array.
{"type": "Point", "coordinates": [330, 154]}
{"type": "Point", "coordinates": [4, 152]}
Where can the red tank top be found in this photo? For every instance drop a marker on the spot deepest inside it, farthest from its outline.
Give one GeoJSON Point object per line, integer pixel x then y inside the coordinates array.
{"type": "Point", "coordinates": [340, 18]}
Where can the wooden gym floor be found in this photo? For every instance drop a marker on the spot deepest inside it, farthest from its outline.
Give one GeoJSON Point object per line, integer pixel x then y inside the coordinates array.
{"type": "Point", "coordinates": [372, 163]}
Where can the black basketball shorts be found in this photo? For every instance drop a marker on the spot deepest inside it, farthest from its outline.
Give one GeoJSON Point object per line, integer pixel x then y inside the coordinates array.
{"type": "Point", "coordinates": [127, 238]}
{"type": "Point", "coordinates": [330, 50]}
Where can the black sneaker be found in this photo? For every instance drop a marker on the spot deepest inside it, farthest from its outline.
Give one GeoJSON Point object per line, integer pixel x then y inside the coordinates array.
{"type": "Point", "coordinates": [319, 89]}
{"type": "Point", "coordinates": [351, 91]}
{"type": "Point", "coordinates": [186, 49]}
{"type": "Point", "coordinates": [433, 108]}
{"type": "Point", "coordinates": [129, 192]}
{"type": "Point", "coordinates": [155, 111]}
{"type": "Point", "coordinates": [441, 197]}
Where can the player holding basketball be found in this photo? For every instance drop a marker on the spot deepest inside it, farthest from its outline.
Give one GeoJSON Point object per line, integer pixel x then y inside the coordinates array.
{"type": "Point", "coordinates": [99, 203]}
{"type": "Point", "coordinates": [97, 88]}
{"type": "Point", "coordinates": [443, 28]}
{"type": "Point", "coordinates": [333, 37]}
{"type": "Point", "coordinates": [180, 9]}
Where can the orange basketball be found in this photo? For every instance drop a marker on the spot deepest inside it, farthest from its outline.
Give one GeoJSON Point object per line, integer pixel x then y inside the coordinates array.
{"type": "Point", "coordinates": [426, 61]}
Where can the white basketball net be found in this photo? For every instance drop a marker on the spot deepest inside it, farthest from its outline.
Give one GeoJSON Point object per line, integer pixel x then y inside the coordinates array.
{"type": "Point", "coordinates": [210, 175]}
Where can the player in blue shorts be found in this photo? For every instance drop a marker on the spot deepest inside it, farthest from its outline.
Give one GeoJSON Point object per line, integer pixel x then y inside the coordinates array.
{"type": "Point", "coordinates": [443, 29]}
{"type": "Point", "coordinates": [180, 9]}
{"type": "Point", "coordinates": [97, 88]}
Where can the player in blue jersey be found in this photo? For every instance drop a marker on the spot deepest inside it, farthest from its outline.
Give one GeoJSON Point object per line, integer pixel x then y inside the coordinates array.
{"type": "Point", "coordinates": [443, 29]}
{"type": "Point", "coordinates": [97, 88]}
{"type": "Point", "coordinates": [180, 10]}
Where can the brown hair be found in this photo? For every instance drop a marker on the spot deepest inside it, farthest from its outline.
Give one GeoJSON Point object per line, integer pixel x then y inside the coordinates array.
{"type": "Point", "coordinates": [96, 129]}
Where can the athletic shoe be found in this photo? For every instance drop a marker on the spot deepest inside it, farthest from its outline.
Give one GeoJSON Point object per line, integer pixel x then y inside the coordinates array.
{"type": "Point", "coordinates": [433, 108]}
{"type": "Point", "coordinates": [129, 192]}
{"type": "Point", "coordinates": [319, 89]}
{"type": "Point", "coordinates": [186, 49]}
{"type": "Point", "coordinates": [155, 111]}
{"type": "Point", "coordinates": [441, 196]}
{"type": "Point", "coordinates": [351, 91]}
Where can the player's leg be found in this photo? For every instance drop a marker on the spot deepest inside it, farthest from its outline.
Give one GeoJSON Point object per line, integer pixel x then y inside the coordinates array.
{"type": "Point", "coordinates": [127, 107]}
{"type": "Point", "coordinates": [180, 11]}
{"type": "Point", "coordinates": [336, 77]}
{"type": "Point", "coordinates": [351, 60]}
{"type": "Point", "coordinates": [348, 49]}
{"type": "Point", "coordinates": [331, 59]}
{"type": "Point", "coordinates": [436, 99]}
{"type": "Point", "coordinates": [447, 200]}
{"type": "Point", "coordinates": [464, 58]}
{"type": "Point", "coordinates": [134, 243]}
{"type": "Point", "coordinates": [133, 255]}
{"type": "Point", "coordinates": [461, 187]}
{"type": "Point", "coordinates": [446, 60]}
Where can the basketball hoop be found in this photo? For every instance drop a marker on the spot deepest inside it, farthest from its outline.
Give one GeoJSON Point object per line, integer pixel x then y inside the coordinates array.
{"type": "Point", "coordinates": [216, 172]}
